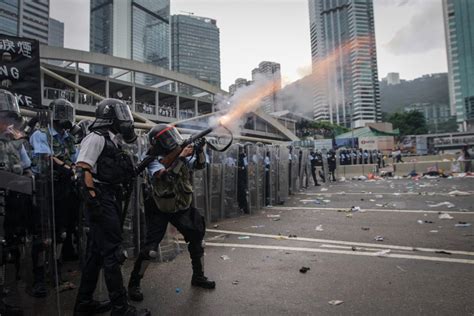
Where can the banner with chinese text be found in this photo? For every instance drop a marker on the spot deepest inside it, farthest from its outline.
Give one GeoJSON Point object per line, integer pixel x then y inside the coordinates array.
{"type": "Point", "coordinates": [20, 69]}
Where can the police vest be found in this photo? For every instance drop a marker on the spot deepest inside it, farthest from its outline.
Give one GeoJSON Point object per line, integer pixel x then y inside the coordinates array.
{"type": "Point", "coordinates": [114, 166]}
{"type": "Point", "coordinates": [10, 155]}
{"type": "Point", "coordinates": [63, 151]}
{"type": "Point", "coordinates": [173, 193]}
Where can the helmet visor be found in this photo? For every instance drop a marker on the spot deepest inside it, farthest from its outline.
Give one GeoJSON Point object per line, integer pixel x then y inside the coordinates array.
{"type": "Point", "coordinates": [123, 113]}
{"type": "Point", "coordinates": [169, 138]}
{"type": "Point", "coordinates": [63, 112]}
{"type": "Point", "coordinates": [8, 103]}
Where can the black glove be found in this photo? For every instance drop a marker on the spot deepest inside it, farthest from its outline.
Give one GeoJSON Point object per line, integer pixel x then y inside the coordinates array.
{"type": "Point", "coordinates": [152, 151]}
{"type": "Point", "coordinates": [95, 209]}
{"type": "Point", "coordinates": [199, 145]}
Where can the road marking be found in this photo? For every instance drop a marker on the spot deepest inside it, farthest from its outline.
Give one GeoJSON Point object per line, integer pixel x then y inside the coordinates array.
{"type": "Point", "coordinates": [385, 210]}
{"type": "Point", "coordinates": [343, 252]}
{"type": "Point", "coordinates": [341, 242]}
{"type": "Point", "coordinates": [325, 193]}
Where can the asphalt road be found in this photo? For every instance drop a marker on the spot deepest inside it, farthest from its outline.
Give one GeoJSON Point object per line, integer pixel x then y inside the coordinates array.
{"type": "Point", "coordinates": [422, 268]}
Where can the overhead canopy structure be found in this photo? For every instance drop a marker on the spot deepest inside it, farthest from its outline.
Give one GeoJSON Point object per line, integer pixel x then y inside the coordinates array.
{"type": "Point", "coordinates": [367, 132]}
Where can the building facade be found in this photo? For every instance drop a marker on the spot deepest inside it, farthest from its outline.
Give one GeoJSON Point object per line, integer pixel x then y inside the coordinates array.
{"type": "Point", "coordinates": [239, 83]}
{"type": "Point", "coordinates": [195, 48]}
{"type": "Point", "coordinates": [459, 31]}
{"type": "Point", "coordinates": [133, 29]}
{"type": "Point", "coordinates": [56, 33]}
{"type": "Point", "coordinates": [344, 59]}
{"type": "Point", "coordinates": [393, 78]}
{"type": "Point", "coordinates": [269, 71]}
{"type": "Point", "coordinates": [25, 18]}
{"type": "Point", "coordinates": [434, 113]}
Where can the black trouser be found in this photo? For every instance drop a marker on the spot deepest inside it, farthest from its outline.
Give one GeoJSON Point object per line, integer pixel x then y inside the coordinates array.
{"type": "Point", "coordinates": [104, 250]}
{"type": "Point", "coordinates": [242, 179]}
{"type": "Point", "coordinates": [332, 172]}
{"type": "Point", "coordinates": [267, 187]}
{"type": "Point", "coordinates": [190, 223]}
{"type": "Point", "coordinates": [313, 173]}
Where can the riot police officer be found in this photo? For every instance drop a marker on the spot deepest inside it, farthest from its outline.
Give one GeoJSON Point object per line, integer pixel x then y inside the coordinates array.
{"type": "Point", "coordinates": [102, 169]}
{"type": "Point", "coordinates": [54, 145]}
{"type": "Point", "coordinates": [332, 162]}
{"type": "Point", "coordinates": [169, 201]}
{"type": "Point", "coordinates": [242, 181]}
{"type": "Point", "coordinates": [14, 166]}
{"type": "Point", "coordinates": [313, 160]}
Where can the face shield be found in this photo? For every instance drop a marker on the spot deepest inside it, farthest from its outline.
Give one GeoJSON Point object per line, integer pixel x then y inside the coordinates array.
{"type": "Point", "coordinates": [63, 114]}
{"type": "Point", "coordinates": [124, 123]}
{"type": "Point", "coordinates": [167, 139]}
{"type": "Point", "coordinates": [9, 110]}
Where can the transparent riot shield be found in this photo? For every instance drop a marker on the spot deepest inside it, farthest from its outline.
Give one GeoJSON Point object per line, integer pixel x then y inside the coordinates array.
{"type": "Point", "coordinates": [273, 174]}
{"type": "Point", "coordinates": [303, 167]}
{"type": "Point", "coordinates": [283, 174]}
{"type": "Point", "coordinates": [256, 174]}
{"type": "Point", "coordinates": [230, 206]}
{"type": "Point", "coordinates": [294, 171]}
{"type": "Point", "coordinates": [200, 192]}
{"type": "Point", "coordinates": [216, 182]}
{"type": "Point", "coordinates": [324, 153]}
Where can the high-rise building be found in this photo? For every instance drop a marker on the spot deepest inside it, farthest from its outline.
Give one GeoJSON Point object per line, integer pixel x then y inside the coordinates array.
{"type": "Point", "coordinates": [25, 18]}
{"type": "Point", "coordinates": [270, 71]}
{"type": "Point", "coordinates": [459, 31]}
{"type": "Point", "coordinates": [392, 78]}
{"type": "Point", "coordinates": [56, 33]}
{"type": "Point", "coordinates": [133, 29]}
{"type": "Point", "coordinates": [195, 48]}
{"type": "Point", "coordinates": [346, 86]}
{"type": "Point", "coordinates": [239, 83]}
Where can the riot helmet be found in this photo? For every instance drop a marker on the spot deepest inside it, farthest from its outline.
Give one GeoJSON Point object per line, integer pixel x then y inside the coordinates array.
{"type": "Point", "coordinates": [80, 130]}
{"type": "Point", "coordinates": [9, 109]}
{"type": "Point", "coordinates": [62, 113]}
{"type": "Point", "coordinates": [115, 115]}
{"type": "Point", "coordinates": [164, 138]}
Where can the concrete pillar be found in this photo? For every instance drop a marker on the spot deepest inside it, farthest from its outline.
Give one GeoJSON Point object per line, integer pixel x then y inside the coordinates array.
{"type": "Point", "coordinates": [76, 81]}
{"type": "Point", "coordinates": [133, 92]}
{"type": "Point", "coordinates": [177, 107]}
{"type": "Point", "coordinates": [157, 101]}
{"type": "Point", "coordinates": [42, 87]}
{"type": "Point", "coordinates": [196, 107]}
{"type": "Point", "coordinates": [107, 88]}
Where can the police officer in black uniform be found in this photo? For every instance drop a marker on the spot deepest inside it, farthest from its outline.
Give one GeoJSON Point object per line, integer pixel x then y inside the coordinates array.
{"type": "Point", "coordinates": [332, 162]}
{"type": "Point", "coordinates": [169, 200]}
{"type": "Point", "coordinates": [313, 162]}
{"type": "Point", "coordinates": [102, 169]}
{"type": "Point", "coordinates": [242, 181]}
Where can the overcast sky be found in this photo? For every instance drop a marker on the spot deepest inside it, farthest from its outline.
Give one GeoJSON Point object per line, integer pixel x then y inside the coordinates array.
{"type": "Point", "coordinates": [409, 34]}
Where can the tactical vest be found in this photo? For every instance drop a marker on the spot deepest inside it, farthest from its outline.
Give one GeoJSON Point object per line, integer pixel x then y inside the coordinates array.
{"type": "Point", "coordinates": [114, 166]}
{"type": "Point", "coordinates": [10, 155]}
{"type": "Point", "coordinates": [63, 151]}
{"type": "Point", "coordinates": [172, 194]}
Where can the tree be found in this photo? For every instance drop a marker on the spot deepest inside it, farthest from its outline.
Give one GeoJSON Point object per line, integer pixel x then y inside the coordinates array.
{"type": "Point", "coordinates": [325, 129]}
{"type": "Point", "coordinates": [409, 123]}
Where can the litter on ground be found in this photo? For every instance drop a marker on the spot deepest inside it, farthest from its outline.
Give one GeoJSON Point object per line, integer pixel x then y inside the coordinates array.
{"type": "Point", "coordinates": [447, 204]}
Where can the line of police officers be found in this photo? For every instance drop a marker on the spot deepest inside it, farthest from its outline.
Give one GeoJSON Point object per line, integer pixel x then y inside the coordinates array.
{"type": "Point", "coordinates": [99, 174]}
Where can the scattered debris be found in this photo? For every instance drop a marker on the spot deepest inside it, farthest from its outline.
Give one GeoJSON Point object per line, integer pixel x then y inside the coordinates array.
{"type": "Point", "coordinates": [379, 196]}
{"type": "Point", "coordinates": [225, 257]}
{"type": "Point", "coordinates": [459, 193]}
{"type": "Point", "coordinates": [372, 200]}
{"type": "Point", "coordinates": [276, 219]}
{"type": "Point", "coordinates": [462, 224]}
{"type": "Point", "coordinates": [355, 209]}
{"type": "Point", "coordinates": [447, 204]}
{"type": "Point", "coordinates": [324, 189]}
{"type": "Point", "coordinates": [401, 269]}
{"type": "Point", "coordinates": [382, 253]}
{"type": "Point", "coordinates": [304, 269]}
{"type": "Point", "coordinates": [424, 222]}
{"type": "Point", "coordinates": [258, 226]}
{"type": "Point", "coordinates": [273, 215]}
{"type": "Point", "coordinates": [178, 290]}
{"type": "Point", "coordinates": [365, 228]}
{"type": "Point", "coordinates": [335, 302]}
{"type": "Point", "coordinates": [319, 228]}
{"type": "Point", "coordinates": [292, 236]}
{"type": "Point", "coordinates": [378, 238]}
{"type": "Point", "coordinates": [433, 231]}
{"type": "Point", "coordinates": [327, 201]}
{"type": "Point", "coordinates": [216, 226]}
{"type": "Point", "coordinates": [349, 215]}
{"type": "Point", "coordinates": [235, 282]}
{"type": "Point", "coordinates": [243, 237]}
{"type": "Point", "coordinates": [445, 216]}
{"type": "Point", "coordinates": [443, 252]}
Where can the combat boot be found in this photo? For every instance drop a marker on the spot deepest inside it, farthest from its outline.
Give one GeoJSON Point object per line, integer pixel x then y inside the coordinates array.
{"type": "Point", "coordinates": [38, 289]}
{"type": "Point", "coordinates": [89, 307]}
{"type": "Point", "coordinates": [134, 291]}
{"type": "Point", "coordinates": [198, 278]}
{"type": "Point", "coordinates": [129, 310]}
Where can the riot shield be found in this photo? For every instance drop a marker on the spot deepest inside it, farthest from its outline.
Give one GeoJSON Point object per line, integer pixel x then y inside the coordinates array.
{"type": "Point", "coordinates": [229, 202]}
{"type": "Point", "coordinates": [216, 184]}
{"type": "Point", "coordinates": [324, 153]}
{"type": "Point", "coordinates": [200, 194]}
{"type": "Point", "coordinates": [294, 172]}
{"type": "Point", "coordinates": [283, 174]}
{"type": "Point", "coordinates": [256, 172]}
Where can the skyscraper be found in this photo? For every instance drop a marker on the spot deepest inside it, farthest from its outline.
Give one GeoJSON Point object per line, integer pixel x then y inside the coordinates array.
{"type": "Point", "coordinates": [459, 30]}
{"type": "Point", "coordinates": [25, 18]}
{"type": "Point", "coordinates": [345, 77]}
{"type": "Point", "coordinates": [268, 70]}
{"type": "Point", "coordinates": [56, 33]}
{"type": "Point", "coordinates": [195, 48]}
{"type": "Point", "coordinates": [134, 29]}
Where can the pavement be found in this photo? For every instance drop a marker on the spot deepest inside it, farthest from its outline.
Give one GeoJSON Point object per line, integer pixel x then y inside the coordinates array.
{"type": "Point", "coordinates": [420, 264]}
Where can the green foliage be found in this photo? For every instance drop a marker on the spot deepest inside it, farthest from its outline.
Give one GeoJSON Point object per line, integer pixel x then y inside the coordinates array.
{"type": "Point", "coordinates": [409, 123]}
{"type": "Point", "coordinates": [325, 129]}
